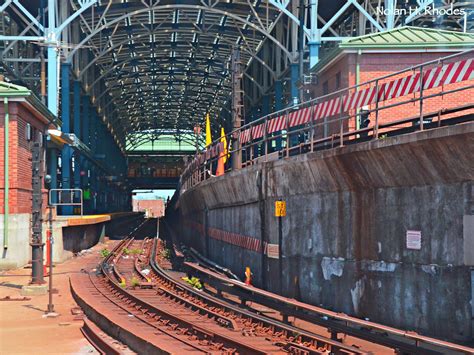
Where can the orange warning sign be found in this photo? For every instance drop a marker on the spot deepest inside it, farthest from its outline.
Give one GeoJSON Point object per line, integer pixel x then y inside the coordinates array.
{"type": "Point", "coordinates": [280, 208]}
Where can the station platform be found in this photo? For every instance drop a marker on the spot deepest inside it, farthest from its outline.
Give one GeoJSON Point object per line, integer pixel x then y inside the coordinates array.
{"type": "Point", "coordinates": [23, 327]}
{"type": "Point", "coordinates": [74, 234]}
{"type": "Point", "coordinates": [94, 218]}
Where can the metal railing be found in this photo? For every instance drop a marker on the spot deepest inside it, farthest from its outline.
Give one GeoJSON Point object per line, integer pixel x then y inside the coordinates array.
{"type": "Point", "coordinates": [66, 197]}
{"type": "Point", "coordinates": [424, 95]}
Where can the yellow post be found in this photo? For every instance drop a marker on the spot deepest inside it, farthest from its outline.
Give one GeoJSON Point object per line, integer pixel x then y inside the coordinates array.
{"type": "Point", "coordinates": [208, 131]}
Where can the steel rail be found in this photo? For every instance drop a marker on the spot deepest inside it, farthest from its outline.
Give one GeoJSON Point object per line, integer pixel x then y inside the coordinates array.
{"type": "Point", "coordinates": [323, 316]}
{"type": "Point", "coordinates": [277, 326]}
{"type": "Point", "coordinates": [91, 333]}
{"type": "Point", "coordinates": [120, 297]}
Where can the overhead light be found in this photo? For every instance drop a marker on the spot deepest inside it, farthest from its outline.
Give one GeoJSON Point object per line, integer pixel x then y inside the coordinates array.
{"type": "Point", "coordinates": [55, 132]}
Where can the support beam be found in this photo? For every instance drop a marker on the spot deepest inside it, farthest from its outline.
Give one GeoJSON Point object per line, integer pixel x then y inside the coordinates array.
{"type": "Point", "coordinates": [66, 153]}
{"type": "Point", "coordinates": [265, 105]}
{"type": "Point", "coordinates": [86, 139]}
{"type": "Point", "coordinates": [315, 39]}
{"type": "Point", "coordinates": [390, 8]}
{"type": "Point", "coordinates": [53, 169]}
{"type": "Point", "coordinates": [278, 107]}
{"type": "Point", "coordinates": [294, 78]}
{"type": "Point", "coordinates": [77, 130]}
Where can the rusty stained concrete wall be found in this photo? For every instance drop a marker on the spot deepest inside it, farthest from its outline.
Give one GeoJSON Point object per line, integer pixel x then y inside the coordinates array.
{"type": "Point", "coordinates": [344, 236]}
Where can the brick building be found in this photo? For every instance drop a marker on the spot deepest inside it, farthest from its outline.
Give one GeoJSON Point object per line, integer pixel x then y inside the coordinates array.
{"type": "Point", "coordinates": [28, 120]}
{"type": "Point", "coordinates": [368, 57]}
{"type": "Point", "coordinates": [152, 208]}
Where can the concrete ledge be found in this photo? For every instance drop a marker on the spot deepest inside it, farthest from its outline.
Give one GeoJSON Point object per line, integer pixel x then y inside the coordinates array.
{"type": "Point", "coordinates": [84, 220]}
{"type": "Point", "coordinates": [8, 265]}
{"type": "Point", "coordinates": [34, 290]}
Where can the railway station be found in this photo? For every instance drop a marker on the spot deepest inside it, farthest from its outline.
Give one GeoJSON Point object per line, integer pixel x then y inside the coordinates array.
{"type": "Point", "coordinates": [236, 177]}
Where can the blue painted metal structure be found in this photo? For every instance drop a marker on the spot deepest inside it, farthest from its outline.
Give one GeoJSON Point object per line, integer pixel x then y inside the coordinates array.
{"type": "Point", "coordinates": [144, 67]}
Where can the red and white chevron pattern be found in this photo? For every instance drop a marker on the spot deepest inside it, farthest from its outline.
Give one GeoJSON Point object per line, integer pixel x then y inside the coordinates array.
{"type": "Point", "coordinates": [243, 241]}
{"type": "Point", "coordinates": [276, 124]}
{"type": "Point", "coordinates": [442, 75]}
{"type": "Point", "coordinates": [239, 240]}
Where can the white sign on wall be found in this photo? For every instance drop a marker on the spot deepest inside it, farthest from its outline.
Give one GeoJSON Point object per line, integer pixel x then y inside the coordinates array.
{"type": "Point", "coordinates": [273, 251]}
{"type": "Point", "coordinates": [414, 240]}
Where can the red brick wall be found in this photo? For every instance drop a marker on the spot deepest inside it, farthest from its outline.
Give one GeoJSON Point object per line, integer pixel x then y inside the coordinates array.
{"type": "Point", "coordinates": [20, 170]}
{"type": "Point", "coordinates": [375, 65]}
{"type": "Point", "coordinates": [379, 64]}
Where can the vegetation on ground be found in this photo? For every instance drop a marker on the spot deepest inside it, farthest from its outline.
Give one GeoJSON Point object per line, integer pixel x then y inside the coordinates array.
{"type": "Point", "coordinates": [194, 282]}
{"type": "Point", "coordinates": [134, 282]}
{"type": "Point", "coordinates": [123, 283]}
{"type": "Point", "coordinates": [166, 254]}
{"type": "Point", "coordinates": [104, 252]}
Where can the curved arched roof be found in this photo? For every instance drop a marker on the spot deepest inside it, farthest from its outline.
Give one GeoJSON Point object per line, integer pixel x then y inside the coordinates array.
{"type": "Point", "coordinates": [165, 64]}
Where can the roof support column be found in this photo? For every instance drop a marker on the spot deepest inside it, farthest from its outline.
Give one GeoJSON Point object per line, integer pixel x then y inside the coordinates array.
{"type": "Point", "coordinates": [294, 77]}
{"type": "Point", "coordinates": [315, 40]}
{"type": "Point", "coordinates": [77, 130]}
{"type": "Point", "coordinates": [66, 152]}
{"type": "Point", "coordinates": [93, 146]}
{"type": "Point", "coordinates": [390, 10]}
{"type": "Point", "coordinates": [86, 140]}
{"type": "Point", "coordinates": [52, 85]}
{"type": "Point", "coordinates": [52, 163]}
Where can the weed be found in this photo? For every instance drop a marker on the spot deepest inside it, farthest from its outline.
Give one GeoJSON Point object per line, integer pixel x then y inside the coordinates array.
{"type": "Point", "coordinates": [134, 282]}
{"type": "Point", "coordinates": [194, 282]}
{"type": "Point", "coordinates": [105, 253]}
{"type": "Point", "coordinates": [166, 253]}
{"type": "Point", "coordinates": [123, 283]}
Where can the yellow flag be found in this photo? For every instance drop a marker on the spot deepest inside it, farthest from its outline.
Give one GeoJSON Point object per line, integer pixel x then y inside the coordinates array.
{"type": "Point", "coordinates": [208, 131]}
{"type": "Point", "coordinates": [224, 141]}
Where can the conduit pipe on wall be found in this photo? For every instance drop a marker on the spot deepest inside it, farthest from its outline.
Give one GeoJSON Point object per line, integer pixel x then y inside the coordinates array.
{"type": "Point", "coordinates": [6, 175]}
{"type": "Point", "coordinates": [357, 77]}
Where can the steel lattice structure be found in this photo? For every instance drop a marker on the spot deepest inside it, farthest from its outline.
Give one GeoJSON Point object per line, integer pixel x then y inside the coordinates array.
{"type": "Point", "coordinates": [154, 65]}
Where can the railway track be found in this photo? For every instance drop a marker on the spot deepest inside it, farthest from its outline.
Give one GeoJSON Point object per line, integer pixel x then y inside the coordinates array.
{"type": "Point", "coordinates": [405, 342]}
{"type": "Point", "coordinates": [157, 313]}
{"type": "Point", "coordinates": [292, 339]}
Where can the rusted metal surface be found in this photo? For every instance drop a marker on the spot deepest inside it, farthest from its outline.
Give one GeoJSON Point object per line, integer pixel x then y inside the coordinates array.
{"type": "Point", "coordinates": [247, 322]}
{"type": "Point", "coordinates": [94, 336]}
{"type": "Point", "coordinates": [253, 293]}
{"type": "Point", "coordinates": [165, 315]}
{"type": "Point", "coordinates": [8, 298]}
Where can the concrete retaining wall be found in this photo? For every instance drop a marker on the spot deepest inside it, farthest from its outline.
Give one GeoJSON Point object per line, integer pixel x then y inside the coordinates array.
{"type": "Point", "coordinates": [18, 252]}
{"type": "Point", "coordinates": [345, 233]}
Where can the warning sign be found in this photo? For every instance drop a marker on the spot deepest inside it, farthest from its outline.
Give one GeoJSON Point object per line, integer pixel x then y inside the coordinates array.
{"type": "Point", "coordinates": [414, 240]}
{"type": "Point", "coordinates": [280, 208]}
{"type": "Point", "coordinates": [273, 251]}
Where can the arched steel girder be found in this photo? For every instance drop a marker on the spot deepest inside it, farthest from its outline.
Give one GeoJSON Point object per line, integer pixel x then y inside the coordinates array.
{"type": "Point", "coordinates": [140, 35]}
{"type": "Point", "coordinates": [130, 96]}
{"type": "Point", "coordinates": [141, 58]}
{"type": "Point", "coordinates": [146, 10]}
{"type": "Point", "coordinates": [145, 80]}
{"type": "Point", "coordinates": [148, 136]}
{"type": "Point", "coordinates": [145, 92]}
{"type": "Point", "coordinates": [190, 7]}
{"type": "Point", "coordinates": [148, 113]}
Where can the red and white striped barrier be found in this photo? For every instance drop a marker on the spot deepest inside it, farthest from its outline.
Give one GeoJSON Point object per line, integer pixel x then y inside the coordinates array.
{"type": "Point", "coordinates": [243, 241]}
{"type": "Point", "coordinates": [442, 75]}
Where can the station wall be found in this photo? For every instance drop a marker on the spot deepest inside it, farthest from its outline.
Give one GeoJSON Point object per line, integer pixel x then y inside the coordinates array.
{"type": "Point", "coordinates": [345, 234]}
{"type": "Point", "coordinates": [18, 252]}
